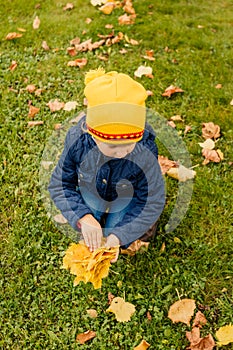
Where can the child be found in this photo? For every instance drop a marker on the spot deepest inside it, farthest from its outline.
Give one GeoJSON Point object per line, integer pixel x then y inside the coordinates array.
{"type": "Point", "coordinates": [108, 180]}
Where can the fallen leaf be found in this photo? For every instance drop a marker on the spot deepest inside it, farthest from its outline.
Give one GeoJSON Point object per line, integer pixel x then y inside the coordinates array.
{"type": "Point", "coordinates": [176, 118]}
{"type": "Point", "coordinates": [60, 219]}
{"type": "Point", "coordinates": [88, 266]}
{"type": "Point", "coordinates": [171, 90]}
{"type": "Point", "coordinates": [218, 86]}
{"type": "Point", "coordinates": [231, 103]}
{"type": "Point", "coordinates": [148, 316]}
{"type": "Point", "coordinates": [75, 41]}
{"type": "Point", "coordinates": [123, 51]}
{"type": "Point", "coordinates": [199, 320]}
{"type": "Point", "coordinates": [68, 6]}
{"type": "Point", "coordinates": [88, 20]}
{"type": "Point", "coordinates": [45, 46]}
{"type": "Point", "coordinates": [131, 41]}
{"type": "Point", "coordinates": [97, 2]}
{"type": "Point", "coordinates": [55, 105]}
{"type": "Point", "coordinates": [31, 88]}
{"type": "Point", "coordinates": [107, 8]}
{"type": "Point", "coordinates": [122, 309]}
{"type": "Point", "coordinates": [171, 123]}
{"type": "Point", "coordinates": [128, 7]}
{"type": "Point", "coordinates": [224, 335]}
{"type": "Point", "coordinates": [69, 106]}
{"type": "Point", "coordinates": [13, 65]}
{"type": "Point", "coordinates": [208, 144]}
{"type": "Point", "coordinates": [220, 154]}
{"type": "Point", "coordinates": [46, 164]}
{"type": "Point", "coordinates": [125, 19]}
{"type": "Point", "coordinates": [92, 313]}
{"type": "Point", "coordinates": [79, 62]}
{"type": "Point", "coordinates": [149, 93]}
{"type": "Point", "coordinates": [35, 123]}
{"type": "Point", "coordinates": [135, 247]}
{"type": "Point", "coordinates": [21, 30]}
{"type": "Point", "coordinates": [36, 23]}
{"type": "Point", "coordinates": [14, 35]}
{"type": "Point", "coordinates": [82, 338]}
{"type": "Point", "coordinates": [166, 164]}
{"type": "Point", "coordinates": [142, 346]}
{"type": "Point", "coordinates": [198, 343]}
{"type": "Point", "coordinates": [33, 111]}
{"type": "Point", "coordinates": [57, 126]}
{"type": "Point", "coordinates": [181, 173]}
{"type": "Point", "coordinates": [142, 70]}
{"type": "Point", "coordinates": [187, 129]}
{"type": "Point", "coordinates": [110, 297]}
{"type": "Point", "coordinates": [182, 311]}
{"type": "Point", "coordinates": [71, 51]}
{"type": "Point", "coordinates": [210, 155]}
{"type": "Point", "coordinates": [210, 130]}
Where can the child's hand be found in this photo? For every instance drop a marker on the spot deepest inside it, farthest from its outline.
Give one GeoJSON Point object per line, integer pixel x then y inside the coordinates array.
{"type": "Point", "coordinates": [91, 231]}
{"type": "Point", "coordinates": [113, 241]}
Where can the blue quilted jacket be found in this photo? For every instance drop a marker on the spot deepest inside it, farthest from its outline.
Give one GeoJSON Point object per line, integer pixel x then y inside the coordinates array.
{"type": "Point", "coordinates": [138, 175]}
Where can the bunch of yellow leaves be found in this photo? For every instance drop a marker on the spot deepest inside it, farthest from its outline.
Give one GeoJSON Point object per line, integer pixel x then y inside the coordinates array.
{"type": "Point", "coordinates": [88, 266]}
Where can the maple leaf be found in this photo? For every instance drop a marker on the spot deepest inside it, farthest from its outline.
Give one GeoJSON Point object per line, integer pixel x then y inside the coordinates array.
{"type": "Point", "coordinates": [181, 173]}
{"type": "Point", "coordinates": [33, 111]}
{"type": "Point", "coordinates": [122, 309]}
{"type": "Point", "coordinates": [55, 105]}
{"type": "Point", "coordinates": [142, 70]}
{"type": "Point", "coordinates": [14, 35]}
{"type": "Point", "coordinates": [82, 338]}
{"type": "Point", "coordinates": [171, 90]}
{"type": "Point", "coordinates": [182, 311]}
{"type": "Point", "coordinates": [135, 247]}
{"type": "Point", "coordinates": [210, 130]}
{"type": "Point", "coordinates": [79, 62]}
{"type": "Point", "coordinates": [166, 164]}
{"type": "Point", "coordinates": [68, 6]}
{"type": "Point", "coordinates": [142, 346]}
{"type": "Point", "coordinates": [225, 335]}
{"type": "Point", "coordinates": [36, 23]}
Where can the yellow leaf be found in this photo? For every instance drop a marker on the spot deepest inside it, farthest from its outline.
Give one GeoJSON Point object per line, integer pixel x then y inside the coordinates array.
{"type": "Point", "coordinates": [107, 8]}
{"type": "Point", "coordinates": [182, 311]}
{"type": "Point", "coordinates": [142, 346]}
{"type": "Point", "coordinates": [181, 173]}
{"type": "Point", "coordinates": [135, 247]}
{"type": "Point", "coordinates": [122, 309]}
{"type": "Point", "coordinates": [225, 335]}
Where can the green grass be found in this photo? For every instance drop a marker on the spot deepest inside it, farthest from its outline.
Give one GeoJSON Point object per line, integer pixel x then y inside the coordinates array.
{"type": "Point", "coordinates": [40, 309]}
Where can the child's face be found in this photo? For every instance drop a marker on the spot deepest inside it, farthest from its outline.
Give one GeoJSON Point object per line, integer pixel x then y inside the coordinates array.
{"type": "Point", "coordinates": [115, 151]}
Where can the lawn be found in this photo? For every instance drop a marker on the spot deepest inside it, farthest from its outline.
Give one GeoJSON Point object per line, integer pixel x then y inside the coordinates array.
{"type": "Point", "coordinates": [192, 49]}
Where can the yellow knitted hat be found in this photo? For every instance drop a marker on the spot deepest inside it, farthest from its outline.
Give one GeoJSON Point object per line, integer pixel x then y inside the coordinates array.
{"type": "Point", "coordinates": [116, 107]}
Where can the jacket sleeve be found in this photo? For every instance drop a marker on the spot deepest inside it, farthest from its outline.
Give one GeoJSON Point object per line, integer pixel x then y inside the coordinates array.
{"type": "Point", "coordinates": [64, 181]}
{"type": "Point", "coordinates": [149, 201]}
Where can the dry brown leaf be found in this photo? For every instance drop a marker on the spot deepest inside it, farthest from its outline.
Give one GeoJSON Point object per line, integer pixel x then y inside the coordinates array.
{"type": "Point", "coordinates": [13, 65]}
{"type": "Point", "coordinates": [149, 93]}
{"type": "Point", "coordinates": [88, 20]}
{"type": "Point", "coordinates": [225, 335]}
{"type": "Point", "coordinates": [171, 90]}
{"type": "Point", "coordinates": [210, 130]}
{"type": "Point", "coordinates": [128, 7]}
{"type": "Point", "coordinates": [218, 86]}
{"type": "Point", "coordinates": [109, 26]}
{"type": "Point", "coordinates": [68, 6]}
{"type": "Point", "coordinates": [36, 23]}
{"type": "Point", "coordinates": [75, 41]}
{"type": "Point", "coordinates": [45, 46]}
{"type": "Point", "coordinates": [171, 124]}
{"type": "Point", "coordinates": [55, 105]}
{"type": "Point", "coordinates": [181, 173]}
{"type": "Point", "coordinates": [33, 111]}
{"type": "Point", "coordinates": [176, 118]}
{"type": "Point", "coordinates": [135, 247]}
{"type": "Point", "coordinates": [60, 219]}
{"type": "Point", "coordinates": [187, 129]}
{"type": "Point", "coordinates": [166, 164]}
{"type": "Point", "coordinates": [71, 51]}
{"type": "Point", "coordinates": [35, 123]}
{"type": "Point", "coordinates": [198, 343]}
{"type": "Point", "coordinates": [31, 88]}
{"type": "Point", "coordinates": [122, 309]}
{"type": "Point", "coordinates": [199, 320]}
{"type": "Point", "coordinates": [107, 8]}
{"type": "Point", "coordinates": [57, 126]}
{"type": "Point", "coordinates": [92, 313]}
{"type": "Point", "coordinates": [123, 51]}
{"type": "Point", "coordinates": [69, 106]}
{"type": "Point", "coordinates": [131, 41]}
{"type": "Point", "coordinates": [142, 346]}
{"type": "Point", "coordinates": [182, 311]}
{"type": "Point", "coordinates": [148, 316]}
{"type": "Point", "coordinates": [14, 35]}
{"type": "Point", "coordinates": [125, 19]}
{"type": "Point", "coordinates": [82, 338]}
{"type": "Point", "coordinates": [79, 62]}
{"type": "Point", "coordinates": [210, 155]}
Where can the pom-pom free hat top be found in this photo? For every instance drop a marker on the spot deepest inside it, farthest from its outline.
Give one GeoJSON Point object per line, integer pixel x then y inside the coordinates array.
{"type": "Point", "coordinates": [116, 107]}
